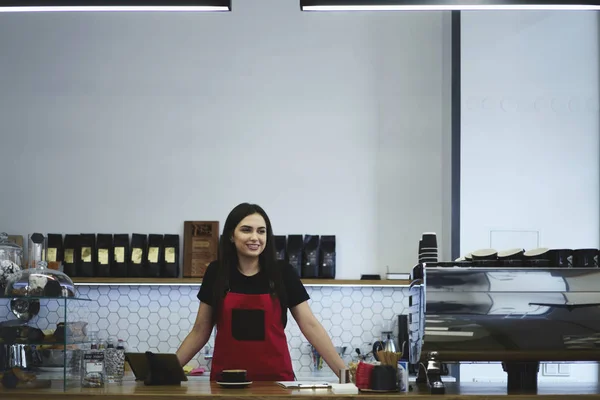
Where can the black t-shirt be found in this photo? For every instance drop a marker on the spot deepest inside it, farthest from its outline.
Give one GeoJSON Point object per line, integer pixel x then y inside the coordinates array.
{"type": "Point", "coordinates": [255, 284]}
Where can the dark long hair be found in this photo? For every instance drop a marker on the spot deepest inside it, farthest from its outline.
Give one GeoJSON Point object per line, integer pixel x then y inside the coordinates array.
{"type": "Point", "coordinates": [228, 259]}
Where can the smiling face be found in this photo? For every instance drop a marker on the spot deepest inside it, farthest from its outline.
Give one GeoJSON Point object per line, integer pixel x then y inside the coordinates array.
{"type": "Point", "coordinates": [250, 236]}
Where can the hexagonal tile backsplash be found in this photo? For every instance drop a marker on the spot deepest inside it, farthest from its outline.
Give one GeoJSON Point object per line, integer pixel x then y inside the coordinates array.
{"type": "Point", "coordinates": [157, 318]}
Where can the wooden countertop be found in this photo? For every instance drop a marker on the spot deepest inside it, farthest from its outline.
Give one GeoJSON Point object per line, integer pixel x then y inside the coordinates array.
{"type": "Point", "coordinates": [270, 391]}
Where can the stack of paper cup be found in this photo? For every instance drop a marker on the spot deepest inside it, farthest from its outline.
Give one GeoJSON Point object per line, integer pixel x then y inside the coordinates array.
{"type": "Point", "coordinates": [428, 248]}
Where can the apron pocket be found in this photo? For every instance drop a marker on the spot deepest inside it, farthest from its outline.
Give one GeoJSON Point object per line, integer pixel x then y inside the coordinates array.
{"type": "Point", "coordinates": [248, 324]}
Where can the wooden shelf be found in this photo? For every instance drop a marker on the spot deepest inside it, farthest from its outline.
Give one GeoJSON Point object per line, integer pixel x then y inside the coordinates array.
{"type": "Point", "coordinates": [353, 282]}
{"type": "Point", "coordinates": [198, 281]}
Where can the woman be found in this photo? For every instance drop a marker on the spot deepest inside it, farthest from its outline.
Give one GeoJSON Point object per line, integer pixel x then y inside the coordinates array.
{"type": "Point", "coordinates": [247, 293]}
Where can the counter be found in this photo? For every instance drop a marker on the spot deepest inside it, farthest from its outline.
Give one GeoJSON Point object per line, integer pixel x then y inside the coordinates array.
{"type": "Point", "coordinates": [270, 391]}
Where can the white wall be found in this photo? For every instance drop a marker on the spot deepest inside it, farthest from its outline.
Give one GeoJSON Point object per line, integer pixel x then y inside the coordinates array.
{"type": "Point", "coordinates": [137, 122]}
{"type": "Point", "coordinates": [530, 129]}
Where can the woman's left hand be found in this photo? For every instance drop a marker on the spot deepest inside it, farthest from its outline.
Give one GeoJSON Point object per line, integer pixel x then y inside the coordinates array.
{"type": "Point", "coordinates": [317, 336]}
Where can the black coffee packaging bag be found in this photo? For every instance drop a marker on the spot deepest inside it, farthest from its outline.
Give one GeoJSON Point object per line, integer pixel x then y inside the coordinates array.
{"type": "Point", "coordinates": [54, 250]}
{"type": "Point", "coordinates": [139, 249]}
{"type": "Point", "coordinates": [70, 254]}
{"type": "Point", "coordinates": [310, 257]}
{"type": "Point", "coordinates": [87, 255]}
{"type": "Point", "coordinates": [293, 251]}
{"type": "Point", "coordinates": [327, 257]}
{"type": "Point", "coordinates": [104, 250]}
{"type": "Point", "coordinates": [280, 246]}
{"type": "Point", "coordinates": [121, 255]}
{"type": "Point", "coordinates": [170, 256]}
{"type": "Point", "coordinates": [155, 256]}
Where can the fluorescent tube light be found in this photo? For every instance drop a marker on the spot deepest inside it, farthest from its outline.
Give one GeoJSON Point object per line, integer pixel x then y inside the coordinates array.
{"type": "Point", "coordinates": [17, 6]}
{"type": "Point", "coordinates": [443, 5]}
{"type": "Point", "coordinates": [565, 7]}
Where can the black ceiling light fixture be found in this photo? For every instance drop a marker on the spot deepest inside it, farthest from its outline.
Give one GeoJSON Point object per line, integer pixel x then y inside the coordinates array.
{"type": "Point", "coordinates": [442, 5]}
{"type": "Point", "coordinates": [114, 5]}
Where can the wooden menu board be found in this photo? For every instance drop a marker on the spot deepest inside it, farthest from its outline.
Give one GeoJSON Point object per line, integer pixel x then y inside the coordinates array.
{"type": "Point", "coordinates": [200, 246]}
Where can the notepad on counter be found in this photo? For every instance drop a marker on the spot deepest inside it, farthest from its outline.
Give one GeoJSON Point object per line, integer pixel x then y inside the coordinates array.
{"type": "Point", "coordinates": [304, 385]}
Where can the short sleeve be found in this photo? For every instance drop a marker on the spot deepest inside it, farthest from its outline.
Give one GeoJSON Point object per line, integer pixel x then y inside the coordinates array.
{"type": "Point", "coordinates": [296, 292]}
{"type": "Point", "coordinates": [205, 294]}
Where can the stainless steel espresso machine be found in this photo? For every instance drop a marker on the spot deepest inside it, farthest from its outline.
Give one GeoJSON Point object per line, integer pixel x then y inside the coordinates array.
{"type": "Point", "coordinates": [515, 314]}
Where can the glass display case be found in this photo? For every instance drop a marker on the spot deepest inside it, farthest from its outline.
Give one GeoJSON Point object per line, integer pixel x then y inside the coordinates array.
{"type": "Point", "coordinates": [41, 340]}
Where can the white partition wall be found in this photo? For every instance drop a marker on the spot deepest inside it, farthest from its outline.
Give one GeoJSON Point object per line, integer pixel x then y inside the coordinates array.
{"type": "Point", "coordinates": [529, 163]}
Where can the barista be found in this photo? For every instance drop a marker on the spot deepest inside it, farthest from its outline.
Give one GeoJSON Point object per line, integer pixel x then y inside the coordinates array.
{"type": "Point", "coordinates": [246, 293]}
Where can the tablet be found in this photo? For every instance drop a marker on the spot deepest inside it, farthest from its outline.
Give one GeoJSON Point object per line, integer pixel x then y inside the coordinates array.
{"type": "Point", "coordinates": [169, 366]}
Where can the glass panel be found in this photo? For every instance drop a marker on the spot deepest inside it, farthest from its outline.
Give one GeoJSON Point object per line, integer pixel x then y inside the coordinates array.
{"type": "Point", "coordinates": [43, 338]}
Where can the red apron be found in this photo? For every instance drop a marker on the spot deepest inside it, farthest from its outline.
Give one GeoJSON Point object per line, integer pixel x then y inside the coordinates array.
{"type": "Point", "coordinates": [264, 360]}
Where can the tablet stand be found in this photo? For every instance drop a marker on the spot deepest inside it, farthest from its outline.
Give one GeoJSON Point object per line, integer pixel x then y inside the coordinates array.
{"type": "Point", "coordinates": [158, 375]}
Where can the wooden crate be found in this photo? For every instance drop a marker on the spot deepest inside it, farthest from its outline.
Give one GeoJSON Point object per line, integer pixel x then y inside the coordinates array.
{"type": "Point", "coordinates": [200, 246]}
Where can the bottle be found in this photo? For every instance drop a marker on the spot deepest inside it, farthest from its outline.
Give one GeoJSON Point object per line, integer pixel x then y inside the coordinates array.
{"type": "Point", "coordinates": [121, 360]}
{"type": "Point", "coordinates": [93, 371]}
{"type": "Point", "coordinates": [115, 361]}
{"type": "Point", "coordinates": [110, 361]}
